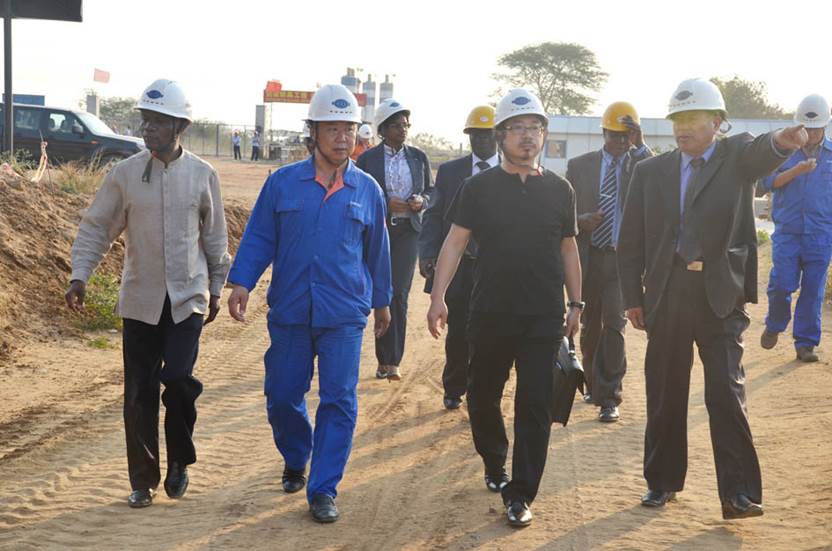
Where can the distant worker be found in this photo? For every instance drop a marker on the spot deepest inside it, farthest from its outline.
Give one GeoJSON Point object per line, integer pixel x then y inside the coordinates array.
{"type": "Point", "coordinates": [687, 260]}
{"type": "Point", "coordinates": [167, 202]}
{"type": "Point", "coordinates": [802, 241]}
{"type": "Point", "coordinates": [365, 141]}
{"type": "Point", "coordinates": [235, 141]}
{"type": "Point", "coordinates": [255, 145]}
{"type": "Point", "coordinates": [523, 219]}
{"type": "Point", "coordinates": [403, 172]}
{"type": "Point", "coordinates": [319, 223]}
{"type": "Point", "coordinates": [435, 226]}
{"type": "Point", "coordinates": [600, 180]}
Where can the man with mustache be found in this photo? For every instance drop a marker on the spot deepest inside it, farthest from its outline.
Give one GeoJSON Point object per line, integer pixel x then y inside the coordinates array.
{"type": "Point", "coordinates": [687, 258]}
{"type": "Point", "coordinates": [167, 202]}
{"type": "Point", "coordinates": [522, 217]}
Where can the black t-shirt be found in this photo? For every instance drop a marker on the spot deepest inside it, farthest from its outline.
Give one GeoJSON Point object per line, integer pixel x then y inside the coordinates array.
{"type": "Point", "coordinates": [519, 228]}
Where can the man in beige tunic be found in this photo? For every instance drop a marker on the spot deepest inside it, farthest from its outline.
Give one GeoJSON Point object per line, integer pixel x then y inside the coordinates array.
{"type": "Point", "coordinates": [167, 202]}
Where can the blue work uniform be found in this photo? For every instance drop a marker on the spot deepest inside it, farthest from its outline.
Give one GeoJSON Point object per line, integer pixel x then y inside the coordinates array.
{"type": "Point", "coordinates": [801, 246]}
{"type": "Point", "coordinates": [330, 257]}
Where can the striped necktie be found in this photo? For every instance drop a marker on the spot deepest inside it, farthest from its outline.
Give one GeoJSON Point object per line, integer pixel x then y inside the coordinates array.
{"type": "Point", "coordinates": [602, 236]}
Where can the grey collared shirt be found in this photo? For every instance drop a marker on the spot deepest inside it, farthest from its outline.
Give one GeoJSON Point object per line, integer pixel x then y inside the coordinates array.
{"type": "Point", "coordinates": [397, 175]}
{"type": "Point", "coordinates": [175, 234]}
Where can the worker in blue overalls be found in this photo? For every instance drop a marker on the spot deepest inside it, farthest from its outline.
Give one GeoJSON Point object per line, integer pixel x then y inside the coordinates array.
{"type": "Point", "coordinates": [320, 223]}
{"type": "Point", "coordinates": [802, 241]}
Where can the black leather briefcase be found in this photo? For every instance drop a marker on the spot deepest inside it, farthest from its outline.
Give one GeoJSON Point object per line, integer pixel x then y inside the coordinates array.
{"type": "Point", "coordinates": [569, 375]}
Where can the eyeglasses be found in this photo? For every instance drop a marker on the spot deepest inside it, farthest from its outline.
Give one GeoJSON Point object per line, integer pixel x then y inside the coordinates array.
{"type": "Point", "coordinates": [520, 129]}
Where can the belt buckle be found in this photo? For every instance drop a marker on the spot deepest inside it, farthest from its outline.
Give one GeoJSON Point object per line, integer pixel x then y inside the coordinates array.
{"type": "Point", "coordinates": [695, 266]}
{"type": "Point", "coordinates": [393, 221]}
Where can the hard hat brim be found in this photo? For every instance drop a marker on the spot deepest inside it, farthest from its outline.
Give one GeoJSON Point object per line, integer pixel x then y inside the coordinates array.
{"type": "Point", "coordinates": [163, 111]}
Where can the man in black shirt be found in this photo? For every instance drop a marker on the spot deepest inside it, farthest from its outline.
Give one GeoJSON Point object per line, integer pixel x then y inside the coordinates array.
{"type": "Point", "coordinates": [523, 219]}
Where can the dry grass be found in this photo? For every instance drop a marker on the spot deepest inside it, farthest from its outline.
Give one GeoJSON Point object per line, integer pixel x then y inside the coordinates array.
{"type": "Point", "coordinates": [77, 178]}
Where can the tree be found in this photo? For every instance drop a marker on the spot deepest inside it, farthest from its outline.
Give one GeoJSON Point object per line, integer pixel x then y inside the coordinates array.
{"type": "Point", "coordinates": [746, 99]}
{"type": "Point", "coordinates": [561, 74]}
{"type": "Point", "coordinates": [432, 144]}
{"type": "Point", "coordinates": [118, 112]}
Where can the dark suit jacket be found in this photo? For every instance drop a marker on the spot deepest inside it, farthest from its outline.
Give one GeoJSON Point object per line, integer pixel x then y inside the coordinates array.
{"type": "Point", "coordinates": [584, 173]}
{"type": "Point", "coordinates": [723, 204]}
{"type": "Point", "coordinates": [372, 162]}
{"type": "Point", "coordinates": [436, 223]}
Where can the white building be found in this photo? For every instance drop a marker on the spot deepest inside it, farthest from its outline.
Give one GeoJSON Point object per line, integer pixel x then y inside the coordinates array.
{"type": "Point", "coordinates": [573, 136]}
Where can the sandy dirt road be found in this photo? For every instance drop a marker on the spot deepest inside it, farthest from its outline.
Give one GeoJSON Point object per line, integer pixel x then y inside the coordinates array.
{"type": "Point", "coordinates": [414, 480]}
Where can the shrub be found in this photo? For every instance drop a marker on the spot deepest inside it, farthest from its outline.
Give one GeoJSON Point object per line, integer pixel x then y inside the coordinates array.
{"type": "Point", "coordinates": [100, 303]}
{"type": "Point", "coordinates": [763, 237]}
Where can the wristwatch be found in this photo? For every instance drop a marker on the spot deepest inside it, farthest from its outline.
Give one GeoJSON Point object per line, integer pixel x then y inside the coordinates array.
{"type": "Point", "coordinates": [578, 305]}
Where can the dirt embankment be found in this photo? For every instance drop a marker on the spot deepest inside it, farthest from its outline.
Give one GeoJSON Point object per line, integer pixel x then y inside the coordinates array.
{"type": "Point", "coordinates": [38, 223]}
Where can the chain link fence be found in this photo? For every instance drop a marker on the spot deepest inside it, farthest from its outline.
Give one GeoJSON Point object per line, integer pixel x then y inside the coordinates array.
{"type": "Point", "coordinates": [215, 139]}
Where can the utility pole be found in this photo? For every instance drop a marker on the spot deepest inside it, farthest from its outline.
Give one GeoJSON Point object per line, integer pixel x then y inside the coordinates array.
{"type": "Point", "coordinates": [56, 10]}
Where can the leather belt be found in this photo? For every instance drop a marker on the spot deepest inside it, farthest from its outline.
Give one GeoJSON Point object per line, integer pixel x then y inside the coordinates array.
{"type": "Point", "coordinates": [396, 220]}
{"type": "Point", "coordinates": [693, 266]}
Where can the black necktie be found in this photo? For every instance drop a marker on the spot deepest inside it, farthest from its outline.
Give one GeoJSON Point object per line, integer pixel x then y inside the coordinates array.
{"type": "Point", "coordinates": [482, 165]}
{"type": "Point", "coordinates": [689, 247]}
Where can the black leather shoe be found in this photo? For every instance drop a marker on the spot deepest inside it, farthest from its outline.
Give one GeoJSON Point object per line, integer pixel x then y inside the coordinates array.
{"type": "Point", "coordinates": [176, 481]}
{"type": "Point", "coordinates": [657, 498]}
{"type": "Point", "coordinates": [140, 498]}
{"type": "Point", "coordinates": [293, 481]}
{"type": "Point", "coordinates": [609, 415]}
{"type": "Point", "coordinates": [452, 403]}
{"type": "Point", "coordinates": [740, 506]}
{"type": "Point", "coordinates": [587, 398]}
{"type": "Point", "coordinates": [496, 482]}
{"type": "Point", "coordinates": [807, 354]}
{"type": "Point", "coordinates": [323, 508]}
{"type": "Point", "coordinates": [518, 514]}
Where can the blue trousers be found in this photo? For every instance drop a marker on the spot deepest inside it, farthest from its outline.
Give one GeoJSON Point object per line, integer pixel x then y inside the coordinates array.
{"type": "Point", "coordinates": [798, 261]}
{"type": "Point", "coordinates": [289, 370]}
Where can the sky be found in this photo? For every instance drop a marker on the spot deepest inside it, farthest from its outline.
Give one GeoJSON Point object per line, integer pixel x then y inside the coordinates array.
{"type": "Point", "coordinates": [442, 53]}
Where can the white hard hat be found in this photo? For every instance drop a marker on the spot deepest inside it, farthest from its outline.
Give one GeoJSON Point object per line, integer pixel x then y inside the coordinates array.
{"type": "Point", "coordinates": [387, 108]}
{"type": "Point", "coordinates": [166, 97]}
{"type": "Point", "coordinates": [813, 112]}
{"type": "Point", "coordinates": [696, 94]}
{"type": "Point", "coordinates": [334, 103]}
{"type": "Point", "coordinates": [365, 132]}
{"type": "Point", "coordinates": [518, 102]}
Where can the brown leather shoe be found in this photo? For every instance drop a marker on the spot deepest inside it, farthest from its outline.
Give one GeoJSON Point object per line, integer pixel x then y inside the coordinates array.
{"type": "Point", "coordinates": [381, 372]}
{"type": "Point", "coordinates": [768, 339]}
{"type": "Point", "coordinates": [393, 373]}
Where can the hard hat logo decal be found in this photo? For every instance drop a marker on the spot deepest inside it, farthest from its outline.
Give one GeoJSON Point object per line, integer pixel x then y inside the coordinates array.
{"type": "Point", "coordinates": [522, 100]}
{"type": "Point", "coordinates": [811, 115]}
{"type": "Point", "coordinates": [683, 95]}
{"type": "Point", "coordinates": [483, 119]}
{"type": "Point", "coordinates": [395, 104]}
{"type": "Point", "coordinates": [341, 103]}
{"type": "Point", "coordinates": [155, 94]}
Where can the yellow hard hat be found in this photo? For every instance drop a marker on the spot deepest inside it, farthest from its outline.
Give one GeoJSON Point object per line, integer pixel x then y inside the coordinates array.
{"type": "Point", "coordinates": [481, 116]}
{"type": "Point", "coordinates": [615, 113]}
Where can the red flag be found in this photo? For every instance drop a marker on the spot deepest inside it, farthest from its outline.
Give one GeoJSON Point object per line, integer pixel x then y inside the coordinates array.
{"type": "Point", "coordinates": [101, 76]}
{"type": "Point", "coordinates": [274, 86]}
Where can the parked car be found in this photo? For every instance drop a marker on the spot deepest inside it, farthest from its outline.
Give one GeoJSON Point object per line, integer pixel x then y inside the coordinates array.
{"type": "Point", "coordinates": [70, 135]}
